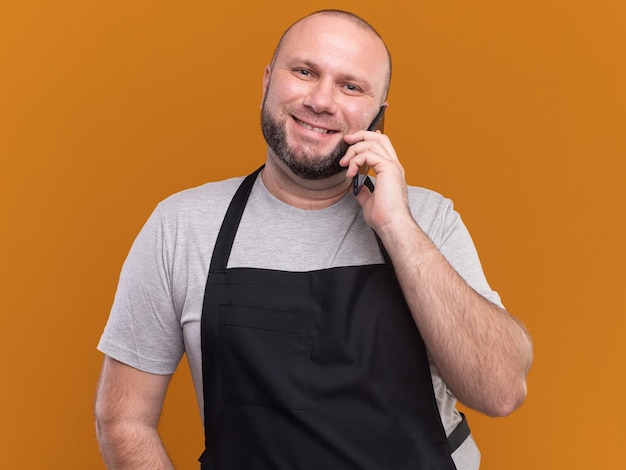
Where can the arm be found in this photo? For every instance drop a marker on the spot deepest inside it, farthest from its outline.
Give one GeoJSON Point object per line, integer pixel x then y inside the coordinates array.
{"type": "Point", "coordinates": [127, 409]}
{"type": "Point", "coordinates": [481, 351]}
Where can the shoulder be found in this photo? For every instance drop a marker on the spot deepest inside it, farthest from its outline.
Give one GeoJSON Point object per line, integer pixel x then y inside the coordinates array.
{"type": "Point", "coordinates": [197, 205]}
{"type": "Point", "coordinates": [207, 196]}
{"type": "Point", "coordinates": [194, 210]}
{"type": "Point", "coordinates": [433, 212]}
{"type": "Point", "coordinates": [427, 199]}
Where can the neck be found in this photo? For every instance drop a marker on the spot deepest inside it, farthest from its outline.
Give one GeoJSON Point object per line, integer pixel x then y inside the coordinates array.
{"type": "Point", "coordinates": [302, 193]}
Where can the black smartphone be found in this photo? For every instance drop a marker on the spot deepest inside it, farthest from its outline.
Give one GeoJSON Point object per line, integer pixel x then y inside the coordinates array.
{"type": "Point", "coordinates": [378, 124]}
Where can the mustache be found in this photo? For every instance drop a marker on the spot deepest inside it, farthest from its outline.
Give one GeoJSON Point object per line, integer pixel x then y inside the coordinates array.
{"type": "Point", "coordinates": [318, 120]}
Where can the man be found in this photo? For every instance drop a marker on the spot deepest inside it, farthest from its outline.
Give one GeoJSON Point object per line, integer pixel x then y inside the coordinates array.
{"type": "Point", "coordinates": [324, 330]}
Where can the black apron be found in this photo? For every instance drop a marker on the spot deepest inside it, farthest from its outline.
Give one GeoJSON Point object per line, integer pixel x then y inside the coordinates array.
{"type": "Point", "coordinates": [318, 370]}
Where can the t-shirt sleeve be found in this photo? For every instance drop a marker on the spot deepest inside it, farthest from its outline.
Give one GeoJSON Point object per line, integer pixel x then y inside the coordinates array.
{"type": "Point", "coordinates": [144, 329]}
{"type": "Point", "coordinates": [459, 249]}
{"type": "Point", "coordinates": [443, 224]}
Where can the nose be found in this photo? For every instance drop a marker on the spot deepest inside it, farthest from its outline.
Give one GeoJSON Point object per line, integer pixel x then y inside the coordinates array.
{"type": "Point", "coordinates": [321, 97]}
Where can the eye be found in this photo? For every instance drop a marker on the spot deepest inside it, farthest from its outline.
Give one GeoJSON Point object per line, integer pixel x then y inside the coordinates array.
{"type": "Point", "coordinates": [351, 88]}
{"type": "Point", "coordinates": [303, 73]}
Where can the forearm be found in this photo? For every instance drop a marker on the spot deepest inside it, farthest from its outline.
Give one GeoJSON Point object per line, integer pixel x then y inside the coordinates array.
{"type": "Point", "coordinates": [130, 446]}
{"type": "Point", "coordinates": [482, 353]}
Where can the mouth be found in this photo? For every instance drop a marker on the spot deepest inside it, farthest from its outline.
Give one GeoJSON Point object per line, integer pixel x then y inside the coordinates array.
{"type": "Point", "coordinates": [319, 130]}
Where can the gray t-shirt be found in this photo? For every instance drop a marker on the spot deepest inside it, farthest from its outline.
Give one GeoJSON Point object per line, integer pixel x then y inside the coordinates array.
{"type": "Point", "coordinates": [158, 304]}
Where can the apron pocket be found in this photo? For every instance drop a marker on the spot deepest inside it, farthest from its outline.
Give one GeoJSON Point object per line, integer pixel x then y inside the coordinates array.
{"type": "Point", "coordinates": [264, 356]}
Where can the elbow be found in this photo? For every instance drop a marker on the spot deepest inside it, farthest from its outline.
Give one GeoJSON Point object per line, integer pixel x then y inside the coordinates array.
{"type": "Point", "coordinates": [508, 402]}
{"type": "Point", "coordinates": [496, 402]}
{"type": "Point", "coordinates": [515, 393]}
{"type": "Point", "coordinates": [104, 426]}
{"type": "Point", "coordinates": [108, 423]}
{"type": "Point", "coordinates": [104, 435]}
{"type": "Point", "coordinates": [116, 439]}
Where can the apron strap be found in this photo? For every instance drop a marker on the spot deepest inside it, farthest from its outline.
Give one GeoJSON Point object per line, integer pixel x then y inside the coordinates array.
{"type": "Point", "coordinates": [368, 183]}
{"type": "Point", "coordinates": [226, 236]}
{"type": "Point", "coordinates": [460, 433]}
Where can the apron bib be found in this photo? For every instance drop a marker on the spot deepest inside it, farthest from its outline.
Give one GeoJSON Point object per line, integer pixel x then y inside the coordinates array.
{"type": "Point", "coordinates": [313, 370]}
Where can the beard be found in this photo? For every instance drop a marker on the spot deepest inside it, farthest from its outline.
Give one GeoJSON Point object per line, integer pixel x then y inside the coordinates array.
{"type": "Point", "coordinates": [305, 164]}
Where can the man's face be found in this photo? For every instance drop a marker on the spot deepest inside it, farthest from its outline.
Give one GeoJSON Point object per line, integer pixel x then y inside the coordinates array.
{"type": "Point", "coordinates": [327, 80]}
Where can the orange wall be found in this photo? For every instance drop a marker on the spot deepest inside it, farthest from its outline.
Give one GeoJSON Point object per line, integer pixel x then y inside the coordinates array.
{"type": "Point", "coordinates": [516, 110]}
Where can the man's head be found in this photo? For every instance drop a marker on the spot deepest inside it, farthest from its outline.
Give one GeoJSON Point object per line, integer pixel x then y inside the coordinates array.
{"type": "Point", "coordinates": [328, 77]}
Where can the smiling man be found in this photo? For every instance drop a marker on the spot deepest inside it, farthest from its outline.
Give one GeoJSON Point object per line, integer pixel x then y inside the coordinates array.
{"type": "Point", "coordinates": [312, 100]}
{"type": "Point", "coordinates": [324, 329]}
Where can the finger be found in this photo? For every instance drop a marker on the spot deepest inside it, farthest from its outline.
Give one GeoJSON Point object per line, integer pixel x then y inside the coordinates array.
{"type": "Point", "coordinates": [360, 156]}
{"type": "Point", "coordinates": [367, 139]}
{"type": "Point", "coordinates": [361, 135]}
{"type": "Point", "coordinates": [365, 153]}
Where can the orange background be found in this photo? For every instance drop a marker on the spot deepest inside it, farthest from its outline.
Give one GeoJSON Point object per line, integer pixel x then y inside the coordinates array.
{"type": "Point", "coordinates": [516, 110]}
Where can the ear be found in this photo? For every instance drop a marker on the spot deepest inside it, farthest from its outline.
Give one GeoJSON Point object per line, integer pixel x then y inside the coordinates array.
{"type": "Point", "coordinates": [266, 81]}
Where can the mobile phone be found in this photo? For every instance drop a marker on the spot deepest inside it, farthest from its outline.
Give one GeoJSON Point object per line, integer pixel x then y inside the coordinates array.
{"type": "Point", "coordinates": [377, 124]}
